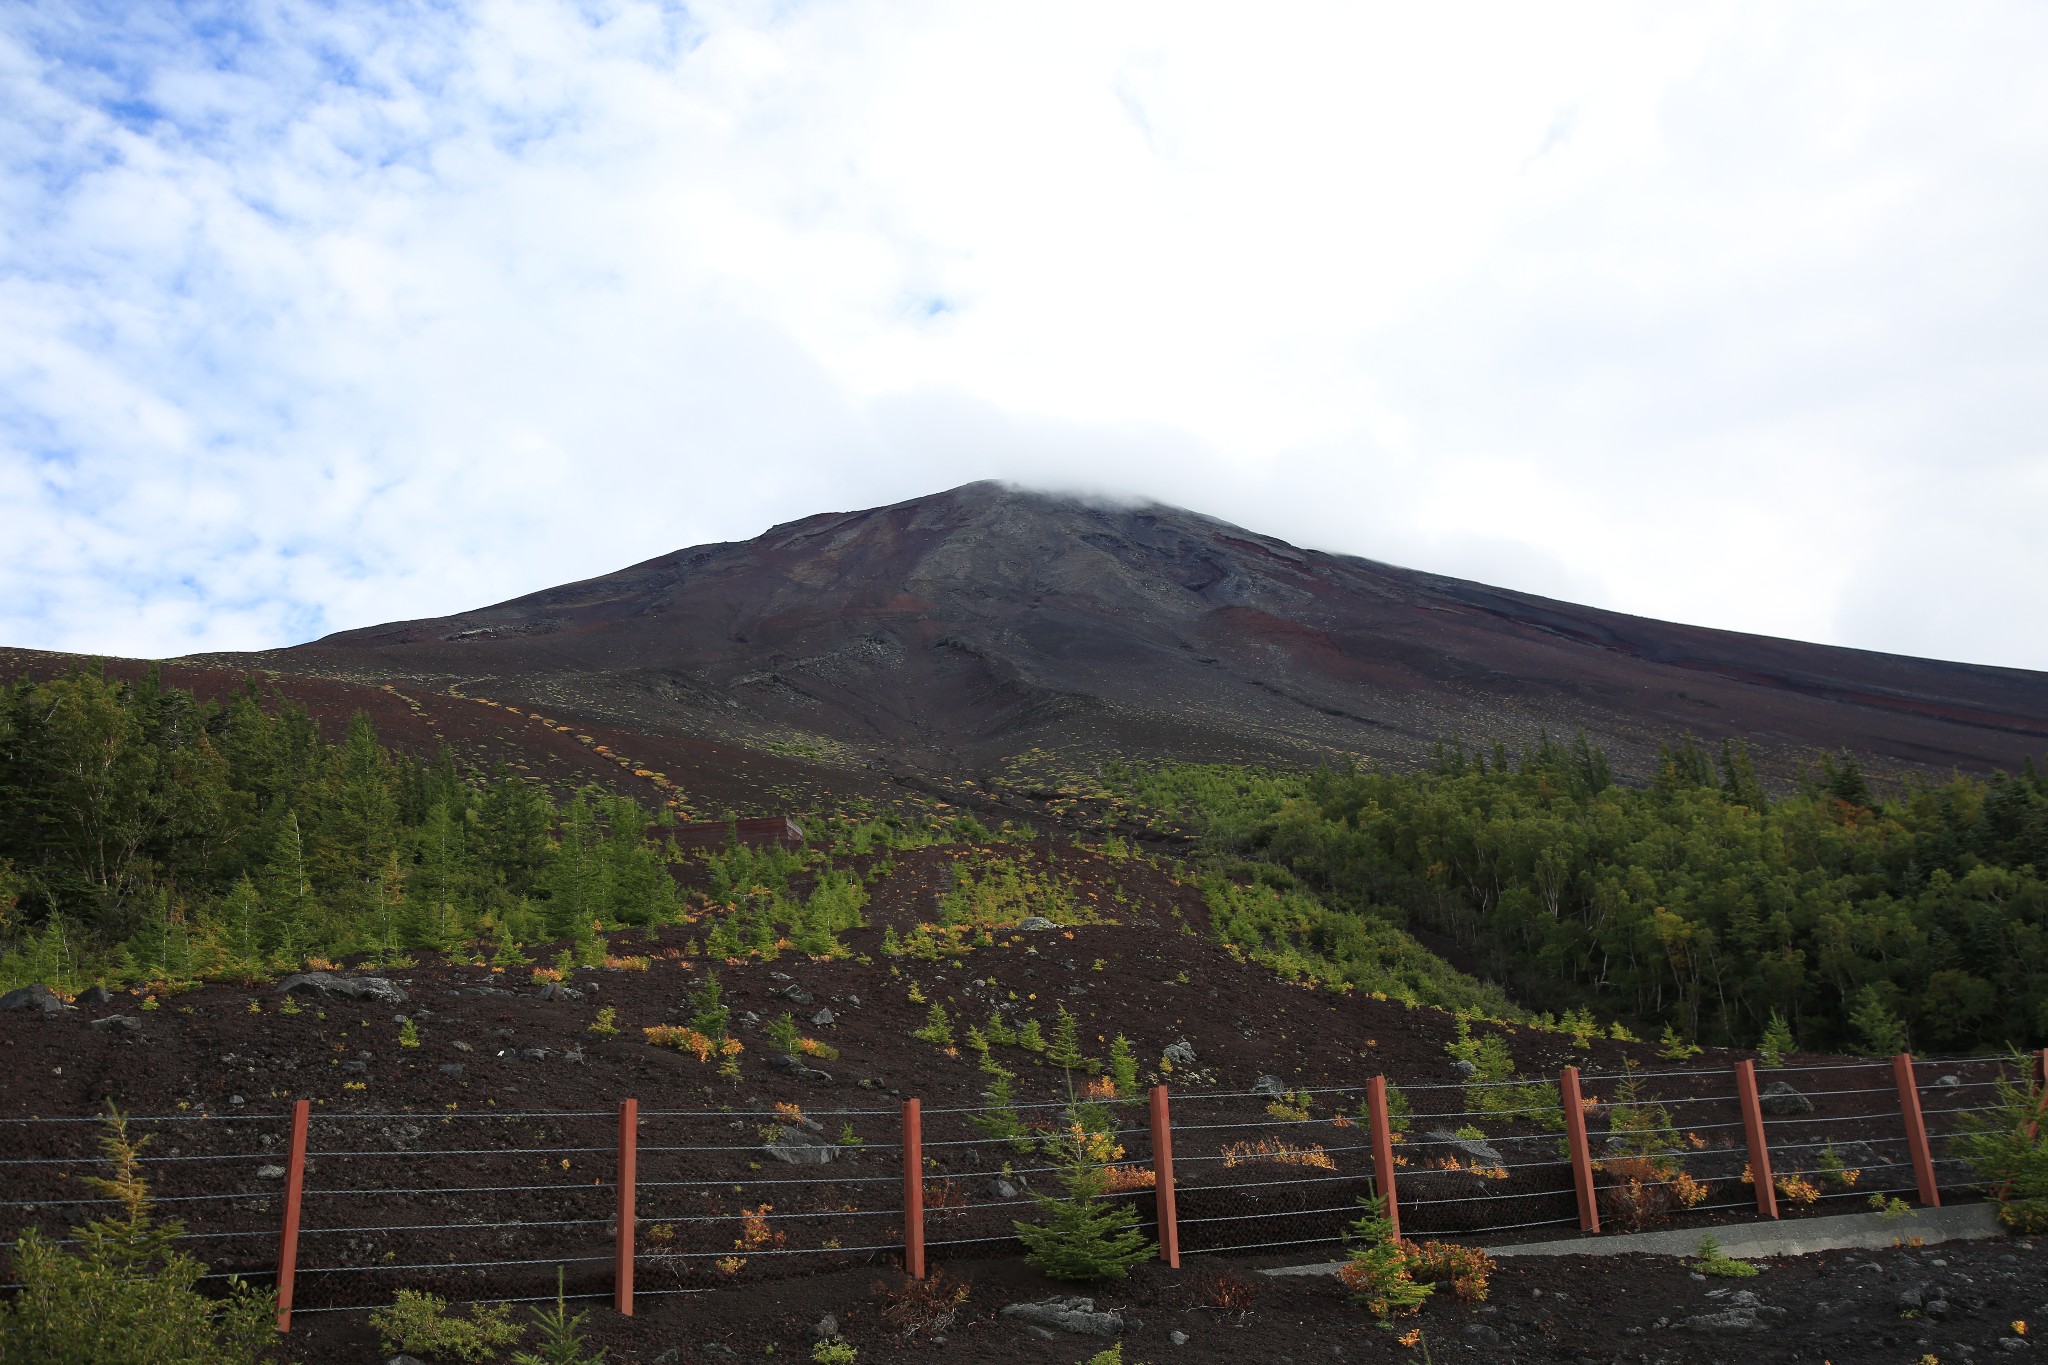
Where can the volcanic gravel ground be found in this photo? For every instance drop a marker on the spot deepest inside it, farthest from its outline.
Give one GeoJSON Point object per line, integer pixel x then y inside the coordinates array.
{"type": "Point", "coordinates": [519, 1099]}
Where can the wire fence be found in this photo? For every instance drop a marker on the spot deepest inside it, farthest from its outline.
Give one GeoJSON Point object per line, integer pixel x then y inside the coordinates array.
{"type": "Point", "coordinates": [485, 1205]}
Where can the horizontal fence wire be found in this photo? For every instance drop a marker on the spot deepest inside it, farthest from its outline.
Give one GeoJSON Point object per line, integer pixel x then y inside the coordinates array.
{"type": "Point", "coordinates": [1277, 1174]}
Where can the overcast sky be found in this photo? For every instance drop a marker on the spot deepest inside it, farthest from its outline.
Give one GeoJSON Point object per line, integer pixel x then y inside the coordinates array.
{"type": "Point", "coordinates": [314, 316]}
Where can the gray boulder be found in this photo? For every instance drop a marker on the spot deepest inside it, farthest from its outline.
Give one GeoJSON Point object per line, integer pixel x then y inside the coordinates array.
{"type": "Point", "coordinates": [39, 999]}
{"type": "Point", "coordinates": [94, 995]}
{"type": "Point", "coordinates": [824, 1018]}
{"type": "Point", "coordinates": [1181, 1053]}
{"type": "Point", "coordinates": [795, 1147]}
{"type": "Point", "coordinates": [782, 1061]}
{"type": "Point", "coordinates": [1067, 1315]}
{"type": "Point", "coordinates": [1269, 1085]}
{"type": "Point", "coordinates": [1480, 1152]}
{"type": "Point", "coordinates": [1780, 1100]}
{"type": "Point", "coordinates": [555, 990]}
{"type": "Point", "coordinates": [1035, 924]}
{"type": "Point", "coordinates": [328, 986]}
{"type": "Point", "coordinates": [1742, 1311]}
{"type": "Point", "coordinates": [123, 1024]}
{"type": "Point", "coordinates": [797, 995]}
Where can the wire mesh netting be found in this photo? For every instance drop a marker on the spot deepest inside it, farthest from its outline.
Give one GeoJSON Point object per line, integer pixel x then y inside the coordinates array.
{"type": "Point", "coordinates": [485, 1205]}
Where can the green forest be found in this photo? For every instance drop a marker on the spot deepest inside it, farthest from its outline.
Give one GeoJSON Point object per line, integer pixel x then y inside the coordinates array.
{"type": "Point", "coordinates": [1869, 922]}
{"type": "Point", "coordinates": [146, 835]}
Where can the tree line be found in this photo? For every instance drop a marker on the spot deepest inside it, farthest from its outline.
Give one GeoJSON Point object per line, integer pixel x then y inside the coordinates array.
{"type": "Point", "coordinates": [146, 834]}
{"type": "Point", "coordinates": [1697, 901]}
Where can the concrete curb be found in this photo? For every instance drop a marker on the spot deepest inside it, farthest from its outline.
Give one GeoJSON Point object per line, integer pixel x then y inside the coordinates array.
{"type": "Point", "coordinates": [1838, 1232]}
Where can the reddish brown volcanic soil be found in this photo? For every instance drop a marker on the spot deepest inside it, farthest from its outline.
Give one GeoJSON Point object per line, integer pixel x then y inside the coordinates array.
{"type": "Point", "coordinates": [1154, 976]}
{"type": "Point", "coordinates": [952, 631]}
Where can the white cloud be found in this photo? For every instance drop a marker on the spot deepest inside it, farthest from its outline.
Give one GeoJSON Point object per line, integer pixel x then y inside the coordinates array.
{"type": "Point", "coordinates": [323, 317]}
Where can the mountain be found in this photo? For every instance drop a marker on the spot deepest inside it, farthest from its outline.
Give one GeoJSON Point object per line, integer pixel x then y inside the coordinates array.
{"type": "Point", "coordinates": [951, 631]}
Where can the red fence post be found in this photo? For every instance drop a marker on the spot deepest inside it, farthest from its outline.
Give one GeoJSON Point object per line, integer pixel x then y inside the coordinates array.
{"type": "Point", "coordinates": [288, 1236]}
{"type": "Point", "coordinates": [1382, 1148]}
{"type": "Point", "coordinates": [1759, 1145]}
{"type": "Point", "coordinates": [913, 1191]}
{"type": "Point", "coordinates": [629, 1178]}
{"type": "Point", "coordinates": [1916, 1129]}
{"type": "Point", "coordinates": [1162, 1179]}
{"type": "Point", "coordinates": [1582, 1157]}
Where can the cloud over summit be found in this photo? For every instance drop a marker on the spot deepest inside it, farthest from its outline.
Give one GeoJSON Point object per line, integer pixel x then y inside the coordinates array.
{"type": "Point", "coordinates": [312, 317]}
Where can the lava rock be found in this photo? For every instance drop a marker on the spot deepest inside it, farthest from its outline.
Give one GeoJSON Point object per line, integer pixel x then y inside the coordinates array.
{"type": "Point", "coordinates": [1181, 1053]}
{"type": "Point", "coordinates": [534, 1054]}
{"type": "Point", "coordinates": [1463, 1067]}
{"type": "Point", "coordinates": [270, 1172]}
{"type": "Point", "coordinates": [1001, 1189]}
{"type": "Point", "coordinates": [1481, 1153]}
{"type": "Point", "coordinates": [1067, 1315]}
{"type": "Point", "coordinates": [795, 1147]}
{"type": "Point", "coordinates": [355, 1068]}
{"type": "Point", "coordinates": [825, 1328]}
{"type": "Point", "coordinates": [94, 995]}
{"type": "Point", "coordinates": [1035, 924]}
{"type": "Point", "coordinates": [1177, 1337]}
{"type": "Point", "coordinates": [1482, 1334]}
{"type": "Point", "coordinates": [824, 1018]}
{"type": "Point", "coordinates": [797, 995]}
{"type": "Point", "coordinates": [328, 986]}
{"type": "Point", "coordinates": [1269, 1085]}
{"type": "Point", "coordinates": [1744, 1312]}
{"type": "Point", "coordinates": [555, 990]}
{"type": "Point", "coordinates": [38, 998]}
{"type": "Point", "coordinates": [1780, 1100]}
{"type": "Point", "coordinates": [450, 1068]}
{"type": "Point", "coordinates": [782, 1061]}
{"type": "Point", "coordinates": [123, 1024]}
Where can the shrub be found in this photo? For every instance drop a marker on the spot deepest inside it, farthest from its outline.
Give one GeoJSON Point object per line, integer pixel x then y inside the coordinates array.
{"type": "Point", "coordinates": [1123, 1067]}
{"type": "Point", "coordinates": [923, 1308]}
{"type": "Point", "coordinates": [606, 1025]}
{"type": "Point", "coordinates": [1837, 1171]}
{"type": "Point", "coordinates": [1030, 1038]}
{"type": "Point", "coordinates": [1776, 1042]}
{"type": "Point", "coordinates": [123, 1296]}
{"type": "Point", "coordinates": [1643, 1191]}
{"type": "Point", "coordinates": [1713, 1261]}
{"type": "Point", "coordinates": [1085, 1236]}
{"type": "Point", "coordinates": [1064, 1051]}
{"type": "Point", "coordinates": [938, 1029]}
{"type": "Point", "coordinates": [1674, 1048]}
{"type": "Point", "coordinates": [418, 1324]}
{"type": "Point", "coordinates": [1225, 1289]}
{"type": "Point", "coordinates": [709, 1015]}
{"type": "Point", "coordinates": [1488, 1056]}
{"type": "Point", "coordinates": [1883, 1033]}
{"type": "Point", "coordinates": [1377, 1272]}
{"type": "Point", "coordinates": [1113, 1356]}
{"type": "Point", "coordinates": [1465, 1269]}
{"type": "Point", "coordinates": [2005, 1146]}
{"type": "Point", "coordinates": [689, 1040]}
{"type": "Point", "coordinates": [834, 1351]}
{"type": "Point", "coordinates": [782, 1032]}
{"type": "Point", "coordinates": [561, 1335]}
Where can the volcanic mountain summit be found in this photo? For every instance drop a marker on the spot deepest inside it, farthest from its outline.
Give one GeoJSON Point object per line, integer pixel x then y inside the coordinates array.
{"type": "Point", "coordinates": [954, 629]}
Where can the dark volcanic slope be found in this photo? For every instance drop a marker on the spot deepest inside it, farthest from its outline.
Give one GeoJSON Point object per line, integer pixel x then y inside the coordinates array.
{"type": "Point", "coordinates": [978, 623]}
